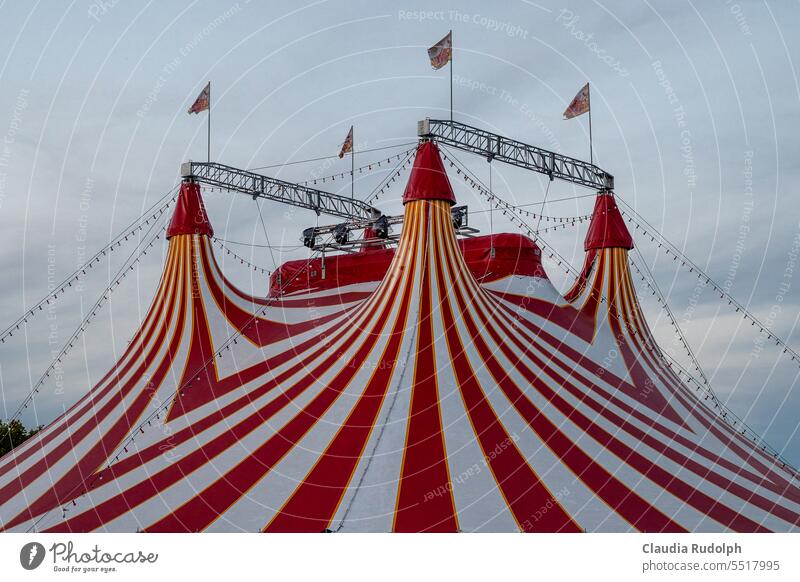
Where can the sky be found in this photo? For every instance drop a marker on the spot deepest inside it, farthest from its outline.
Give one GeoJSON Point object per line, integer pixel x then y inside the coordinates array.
{"type": "Point", "coordinates": [695, 107]}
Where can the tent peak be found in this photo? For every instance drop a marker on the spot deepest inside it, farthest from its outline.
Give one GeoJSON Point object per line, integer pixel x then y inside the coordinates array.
{"type": "Point", "coordinates": [607, 228]}
{"type": "Point", "coordinates": [190, 215]}
{"type": "Point", "coordinates": [428, 180]}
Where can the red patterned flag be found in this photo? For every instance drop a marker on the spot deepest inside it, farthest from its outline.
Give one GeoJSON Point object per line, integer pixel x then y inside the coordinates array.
{"type": "Point", "coordinates": [579, 105]}
{"type": "Point", "coordinates": [442, 52]}
{"type": "Point", "coordinates": [347, 146]}
{"type": "Point", "coordinates": [203, 101]}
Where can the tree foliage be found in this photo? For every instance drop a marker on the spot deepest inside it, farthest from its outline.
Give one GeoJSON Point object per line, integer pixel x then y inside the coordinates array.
{"type": "Point", "coordinates": [13, 434]}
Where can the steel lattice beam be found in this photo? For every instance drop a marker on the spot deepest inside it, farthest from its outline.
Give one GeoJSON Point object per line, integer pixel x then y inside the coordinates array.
{"type": "Point", "coordinates": [494, 146]}
{"type": "Point", "coordinates": [260, 186]}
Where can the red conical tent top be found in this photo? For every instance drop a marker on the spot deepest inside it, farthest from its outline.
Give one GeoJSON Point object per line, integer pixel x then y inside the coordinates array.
{"type": "Point", "coordinates": [190, 215]}
{"type": "Point", "coordinates": [428, 180]}
{"type": "Point", "coordinates": [607, 229]}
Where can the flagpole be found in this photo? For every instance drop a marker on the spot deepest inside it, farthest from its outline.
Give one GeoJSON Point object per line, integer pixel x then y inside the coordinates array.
{"type": "Point", "coordinates": [451, 75]}
{"type": "Point", "coordinates": [589, 102]}
{"type": "Point", "coordinates": [208, 143]}
{"type": "Point", "coordinates": [353, 169]}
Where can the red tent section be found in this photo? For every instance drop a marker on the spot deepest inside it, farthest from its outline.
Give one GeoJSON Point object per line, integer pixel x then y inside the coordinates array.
{"type": "Point", "coordinates": [428, 180]}
{"type": "Point", "coordinates": [189, 216]}
{"type": "Point", "coordinates": [607, 228]}
{"type": "Point", "coordinates": [488, 258]}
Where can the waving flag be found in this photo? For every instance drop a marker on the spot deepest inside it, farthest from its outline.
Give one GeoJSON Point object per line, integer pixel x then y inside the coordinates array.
{"type": "Point", "coordinates": [579, 105]}
{"type": "Point", "coordinates": [203, 101]}
{"type": "Point", "coordinates": [442, 52]}
{"type": "Point", "coordinates": [347, 146]}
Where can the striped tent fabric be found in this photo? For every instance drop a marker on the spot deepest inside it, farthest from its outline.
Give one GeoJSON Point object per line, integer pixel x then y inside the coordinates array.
{"type": "Point", "coordinates": [429, 398]}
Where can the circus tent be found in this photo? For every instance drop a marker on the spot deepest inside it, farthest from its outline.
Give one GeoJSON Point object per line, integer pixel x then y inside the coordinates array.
{"type": "Point", "coordinates": [445, 385]}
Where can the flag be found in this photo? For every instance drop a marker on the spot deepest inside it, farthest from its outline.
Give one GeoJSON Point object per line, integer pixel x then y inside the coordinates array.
{"type": "Point", "coordinates": [347, 146]}
{"type": "Point", "coordinates": [442, 52]}
{"type": "Point", "coordinates": [579, 105]}
{"type": "Point", "coordinates": [203, 101]}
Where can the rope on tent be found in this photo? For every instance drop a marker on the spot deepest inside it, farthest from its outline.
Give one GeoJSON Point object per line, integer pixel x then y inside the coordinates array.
{"type": "Point", "coordinates": [241, 259]}
{"type": "Point", "coordinates": [725, 413]}
{"type": "Point", "coordinates": [544, 201]}
{"type": "Point", "coordinates": [152, 214]}
{"type": "Point", "coordinates": [669, 248]}
{"type": "Point", "coordinates": [127, 266]}
{"type": "Point", "coordinates": [564, 199]}
{"type": "Point", "coordinates": [122, 448]}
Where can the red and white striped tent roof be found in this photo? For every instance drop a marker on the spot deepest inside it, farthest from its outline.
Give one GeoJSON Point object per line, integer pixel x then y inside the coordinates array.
{"type": "Point", "coordinates": [445, 386]}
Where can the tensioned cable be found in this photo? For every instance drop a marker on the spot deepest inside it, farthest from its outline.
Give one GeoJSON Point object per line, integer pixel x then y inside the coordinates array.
{"type": "Point", "coordinates": [724, 410]}
{"type": "Point", "coordinates": [240, 258]}
{"type": "Point", "coordinates": [544, 201]}
{"type": "Point", "coordinates": [552, 252]}
{"type": "Point", "coordinates": [462, 168]}
{"type": "Point", "coordinates": [727, 415]}
{"type": "Point", "coordinates": [663, 301]}
{"type": "Point", "coordinates": [390, 177]}
{"type": "Point", "coordinates": [566, 199]}
{"type": "Point", "coordinates": [266, 235]}
{"type": "Point", "coordinates": [309, 160]}
{"type": "Point", "coordinates": [360, 169]}
{"type": "Point", "coordinates": [247, 244]}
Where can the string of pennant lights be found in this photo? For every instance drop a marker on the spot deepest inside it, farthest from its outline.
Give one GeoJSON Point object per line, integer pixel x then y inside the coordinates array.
{"type": "Point", "coordinates": [651, 233]}
{"type": "Point", "coordinates": [702, 384]}
{"type": "Point", "coordinates": [475, 185]}
{"type": "Point", "coordinates": [512, 213]}
{"type": "Point", "coordinates": [366, 167]}
{"type": "Point", "coordinates": [91, 480]}
{"type": "Point", "coordinates": [55, 365]}
{"type": "Point", "coordinates": [392, 177]}
{"type": "Point", "coordinates": [723, 411]}
{"type": "Point", "coordinates": [137, 226]}
{"type": "Point", "coordinates": [730, 417]}
{"type": "Point", "coordinates": [655, 290]}
{"type": "Point", "coordinates": [677, 256]}
{"type": "Point", "coordinates": [241, 259]}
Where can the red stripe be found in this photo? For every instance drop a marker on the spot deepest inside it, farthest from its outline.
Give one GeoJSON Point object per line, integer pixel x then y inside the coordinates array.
{"type": "Point", "coordinates": [425, 463]}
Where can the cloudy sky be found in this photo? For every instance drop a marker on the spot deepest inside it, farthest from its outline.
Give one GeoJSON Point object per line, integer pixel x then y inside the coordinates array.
{"type": "Point", "coordinates": [695, 110]}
